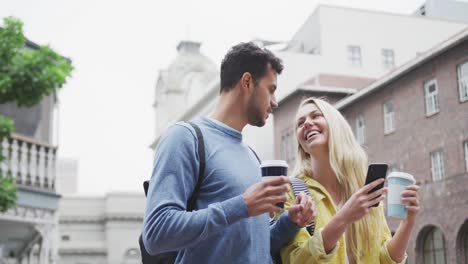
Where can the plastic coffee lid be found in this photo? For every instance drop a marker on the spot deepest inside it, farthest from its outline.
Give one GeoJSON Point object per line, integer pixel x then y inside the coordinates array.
{"type": "Point", "coordinates": [402, 175]}
{"type": "Point", "coordinates": [274, 163]}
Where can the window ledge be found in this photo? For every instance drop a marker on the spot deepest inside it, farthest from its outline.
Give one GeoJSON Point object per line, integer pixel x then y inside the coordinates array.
{"type": "Point", "coordinates": [432, 114]}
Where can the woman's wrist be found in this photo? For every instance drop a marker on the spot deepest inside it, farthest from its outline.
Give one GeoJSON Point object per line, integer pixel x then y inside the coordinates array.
{"type": "Point", "coordinates": [340, 220]}
{"type": "Point", "coordinates": [408, 222]}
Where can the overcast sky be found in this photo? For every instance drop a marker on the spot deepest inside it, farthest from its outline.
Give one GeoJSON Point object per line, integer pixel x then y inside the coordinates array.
{"type": "Point", "coordinates": [117, 47]}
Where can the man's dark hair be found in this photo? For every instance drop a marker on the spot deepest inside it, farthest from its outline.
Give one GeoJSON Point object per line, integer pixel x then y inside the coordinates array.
{"type": "Point", "coordinates": [247, 57]}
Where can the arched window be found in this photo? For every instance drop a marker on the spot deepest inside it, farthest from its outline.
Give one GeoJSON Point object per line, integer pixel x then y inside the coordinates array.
{"type": "Point", "coordinates": [462, 244]}
{"type": "Point", "coordinates": [435, 247]}
{"type": "Point", "coordinates": [465, 247]}
{"type": "Point", "coordinates": [132, 256]}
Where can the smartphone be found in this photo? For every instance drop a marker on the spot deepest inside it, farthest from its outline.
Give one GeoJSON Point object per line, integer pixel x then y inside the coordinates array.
{"type": "Point", "coordinates": [375, 172]}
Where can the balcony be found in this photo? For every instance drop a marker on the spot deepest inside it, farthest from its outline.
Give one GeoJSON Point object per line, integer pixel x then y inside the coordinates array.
{"type": "Point", "coordinates": [31, 163]}
{"type": "Point", "coordinates": [28, 229]}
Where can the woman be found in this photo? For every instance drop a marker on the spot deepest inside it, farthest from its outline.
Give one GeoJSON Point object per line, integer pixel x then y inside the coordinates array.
{"type": "Point", "coordinates": [333, 166]}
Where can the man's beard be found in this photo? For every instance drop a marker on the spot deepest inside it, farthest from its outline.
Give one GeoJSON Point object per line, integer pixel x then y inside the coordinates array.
{"type": "Point", "coordinates": [254, 115]}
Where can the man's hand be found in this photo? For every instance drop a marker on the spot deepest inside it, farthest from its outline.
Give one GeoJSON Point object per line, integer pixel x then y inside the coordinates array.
{"type": "Point", "coordinates": [303, 212]}
{"type": "Point", "coordinates": [262, 197]}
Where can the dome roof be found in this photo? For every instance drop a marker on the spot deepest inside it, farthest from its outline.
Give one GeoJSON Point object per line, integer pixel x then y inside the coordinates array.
{"type": "Point", "coordinates": [189, 61]}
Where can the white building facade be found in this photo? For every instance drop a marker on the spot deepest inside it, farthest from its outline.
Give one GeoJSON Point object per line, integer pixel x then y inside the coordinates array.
{"type": "Point", "coordinates": [101, 230]}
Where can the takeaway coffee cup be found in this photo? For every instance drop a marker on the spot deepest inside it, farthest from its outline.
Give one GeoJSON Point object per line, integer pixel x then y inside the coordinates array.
{"type": "Point", "coordinates": [397, 182]}
{"type": "Point", "coordinates": [274, 168]}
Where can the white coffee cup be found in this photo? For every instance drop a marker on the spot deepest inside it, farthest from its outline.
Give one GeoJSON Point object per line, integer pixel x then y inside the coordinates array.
{"type": "Point", "coordinates": [397, 182]}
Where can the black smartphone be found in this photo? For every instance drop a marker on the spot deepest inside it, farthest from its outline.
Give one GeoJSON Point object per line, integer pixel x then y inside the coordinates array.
{"type": "Point", "coordinates": [375, 172]}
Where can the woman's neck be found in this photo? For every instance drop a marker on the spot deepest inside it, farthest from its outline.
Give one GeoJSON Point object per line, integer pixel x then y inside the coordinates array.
{"type": "Point", "coordinates": [324, 174]}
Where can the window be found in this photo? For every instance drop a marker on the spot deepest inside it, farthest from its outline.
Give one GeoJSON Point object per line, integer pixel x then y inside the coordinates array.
{"type": "Point", "coordinates": [432, 100]}
{"type": "Point", "coordinates": [388, 58]}
{"type": "Point", "coordinates": [465, 146]}
{"type": "Point", "coordinates": [360, 130]}
{"type": "Point", "coordinates": [65, 238]}
{"type": "Point", "coordinates": [435, 247]}
{"type": "Point", "coordinates": [288, 145]}
{"type": "Point", "coordinates": [354, 56]}
{"type": "Point", "coordinates": [437, 165]}
{"type": "Point", "coordinates": [389, 118]}
{"type": "Point", "coordinates": [463, 81]}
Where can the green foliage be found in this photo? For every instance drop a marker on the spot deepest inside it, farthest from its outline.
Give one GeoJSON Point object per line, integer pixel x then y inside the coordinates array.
{"type": "Point", "coordinates": [7, 193]}
{"type": "Point", "coordinates": [27, 75]}
{"type": "Point", "coordinates": [6, 128]}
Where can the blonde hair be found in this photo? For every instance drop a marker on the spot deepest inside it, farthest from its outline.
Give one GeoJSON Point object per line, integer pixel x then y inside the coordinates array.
{"type": "Point", "coordinates": [349, 162]}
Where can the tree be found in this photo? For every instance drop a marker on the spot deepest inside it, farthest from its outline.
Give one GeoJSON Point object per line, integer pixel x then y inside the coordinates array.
{"type": "Point", "coordinates": [26, 77]}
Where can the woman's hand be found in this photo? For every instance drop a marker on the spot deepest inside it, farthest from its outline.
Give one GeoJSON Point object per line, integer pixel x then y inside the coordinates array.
{"type": "Point", "coordinates": [399, 242]}
{"type": "Point", "coordinates": [360, 202]}
{"type": "Point", "coordinates": [303, 212]}
{"type": "Point", "coordinates": [410, 197]}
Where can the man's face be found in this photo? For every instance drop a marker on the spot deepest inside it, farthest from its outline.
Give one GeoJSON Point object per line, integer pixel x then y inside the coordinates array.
{"type": "Point", "coordinates": [263, 100]}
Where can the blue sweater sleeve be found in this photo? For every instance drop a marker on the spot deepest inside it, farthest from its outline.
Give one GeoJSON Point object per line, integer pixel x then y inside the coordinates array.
{"type": "Point", "coordinates": [167, 224]}
{"type": "Point", "coordinates": [281, 232]}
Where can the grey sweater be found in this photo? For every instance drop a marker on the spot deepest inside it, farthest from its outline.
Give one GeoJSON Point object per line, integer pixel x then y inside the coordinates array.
{"type": "Point", "coordinates": [219, 230]}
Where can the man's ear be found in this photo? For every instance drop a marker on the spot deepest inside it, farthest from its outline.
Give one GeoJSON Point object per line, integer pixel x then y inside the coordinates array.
{"type": "Point", "coordinates": [246, 82]}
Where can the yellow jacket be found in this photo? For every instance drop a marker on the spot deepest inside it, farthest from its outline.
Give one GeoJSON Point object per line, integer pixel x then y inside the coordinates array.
{"type": "Point", "coordinates": [306, 249]}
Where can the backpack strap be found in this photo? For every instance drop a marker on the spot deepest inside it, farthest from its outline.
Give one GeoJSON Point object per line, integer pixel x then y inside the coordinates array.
{"type": "Point", "coordinates": [170, 257]}
{"type": "Point", "coordinates": [255, 153]}
{"type": "Point", "coordinates": [201, 172]}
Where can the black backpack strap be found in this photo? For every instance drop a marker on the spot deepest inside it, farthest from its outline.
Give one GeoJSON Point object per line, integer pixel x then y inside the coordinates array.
{"type": "Point", "coordinates": [145, 187]}
{"type": "Point", "coordinates": [298, 187]}
{"type": "Point", "coordinates": [255, 153]}
{"type": "Point", "coordinates": [169, 257]}
{"type": "Point", "coordinates": [201, 172]}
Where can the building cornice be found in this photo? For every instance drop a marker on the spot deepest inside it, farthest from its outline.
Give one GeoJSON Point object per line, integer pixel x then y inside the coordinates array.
{"type": "Point", "coordinates": [124, 217]}
{"type": "Point", "coordinates": [317, 89]}
{"type": "Point", "coordinates": [81, 219]}
{"type": "Point", "coordinates": [25, 214]}
{"type": "Point", "coordinates": [101, 219]}
{"type": "Point", "coordinates": [83, 251]}
{"type": "Point", "coordinates": [325, 89]}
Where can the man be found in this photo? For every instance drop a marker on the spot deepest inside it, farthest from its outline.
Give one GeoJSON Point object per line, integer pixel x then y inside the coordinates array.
{"type": "Point", "coordinates": [230, 221]}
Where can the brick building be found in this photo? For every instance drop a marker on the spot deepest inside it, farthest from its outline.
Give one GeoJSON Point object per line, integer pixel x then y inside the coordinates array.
{"type": "Point", "coordinates": [415, 119]}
